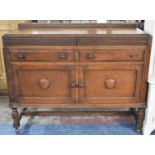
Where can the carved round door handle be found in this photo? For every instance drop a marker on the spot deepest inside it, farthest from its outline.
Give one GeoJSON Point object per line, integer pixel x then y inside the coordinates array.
{"type": "Point", "coordinates": [44, 83]}
{"type": "Point", "coordinates": [90, 55]}
{"type": "Point", "coordinates": [110, 83]}
{"type": "Point", "coordinates": [21, 55]}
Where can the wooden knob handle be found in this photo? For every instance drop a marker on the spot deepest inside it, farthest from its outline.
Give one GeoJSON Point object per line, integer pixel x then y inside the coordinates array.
{"type": "Point", "coordinates": [90, 56]}
{"type": "Point", "coordinates": [44, 83]}
{"type": "Point", "coordinates": [110, 83]}
{"type": "Point", "coordinates": [131, 55]}
{"type": "Point", "coordinates": [62, 56]}
{"type": "Point", "coordinates": [21, 56]}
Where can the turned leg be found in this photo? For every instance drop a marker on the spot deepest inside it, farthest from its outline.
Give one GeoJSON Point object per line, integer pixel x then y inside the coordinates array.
{"type": "Point", "coordinates": [16, 118]}
{"type": "Point", "coordinates": [133, 111]}
{"type": "Point", "coordinates": [139, 119]}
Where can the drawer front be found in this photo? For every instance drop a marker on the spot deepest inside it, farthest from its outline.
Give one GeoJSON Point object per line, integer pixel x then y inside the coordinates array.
{"type": "Point", "coordinates": [101, 55]}
{"type": "Point", "coordinates": [44, 54]}
{"type": "Point", "coordinates": [37, 82]}
{"type": "Point", "coordinates": [110, 83]}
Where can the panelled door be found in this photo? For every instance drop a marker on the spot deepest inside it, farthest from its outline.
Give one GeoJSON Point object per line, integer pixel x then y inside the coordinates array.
{"type": "Point", "coordinates": [44, 83]}
{"type": "Point", "coordinates": [109, 83]}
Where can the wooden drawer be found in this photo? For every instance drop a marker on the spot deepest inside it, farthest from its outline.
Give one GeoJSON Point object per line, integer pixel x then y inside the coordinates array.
{"type": "Point", "coordinates": [42, 54]}
{"type": "Point", "coordinates": [101, 55]}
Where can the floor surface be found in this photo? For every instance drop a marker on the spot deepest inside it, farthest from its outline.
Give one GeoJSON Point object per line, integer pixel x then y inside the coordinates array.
{"type": "Point", "coordinates": [68, 125]}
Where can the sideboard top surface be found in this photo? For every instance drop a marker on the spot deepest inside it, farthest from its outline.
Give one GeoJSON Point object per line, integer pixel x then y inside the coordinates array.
{"type": "Point", "coordinates": [77, 29]}
{"type": "Point", "coordinates": [103, 32]}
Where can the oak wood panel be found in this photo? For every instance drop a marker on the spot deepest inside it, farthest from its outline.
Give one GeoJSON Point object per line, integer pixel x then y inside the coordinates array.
{"type": "Point", "coordinates": [35, 40]}
{"type": "Point", "coordinates": [83, 25]}
{"type": "Point", "coordinates": [75, 39]}
{"type": "Point", "coordinates": [124, 87]}
{"type": "Point", "coordinates": [114, 39]}
{"type": "Point", "coordinates": [145, 74]}
{"type": "Point", "coordinates": [39, 103]}
{"type": "Point", "coordinates": [44, 81]}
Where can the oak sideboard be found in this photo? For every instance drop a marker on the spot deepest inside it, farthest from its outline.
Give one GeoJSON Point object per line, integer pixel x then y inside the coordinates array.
{"type": "Point", "coordinates": [77, 69]}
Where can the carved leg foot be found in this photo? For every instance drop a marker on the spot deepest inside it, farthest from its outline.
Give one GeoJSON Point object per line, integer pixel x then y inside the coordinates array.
{"type": "Point", "coordinates": [16, 118]}
{"type": "Point", "coordinates": [139, 119]}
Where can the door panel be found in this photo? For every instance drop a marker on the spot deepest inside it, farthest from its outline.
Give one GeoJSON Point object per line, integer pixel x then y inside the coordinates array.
{"type": "Point", "coordinates": [44, 83]}
{"type": "Point", "coordinates": [111, 83]}
{"type": "Point", "coordinates": [38, 81]}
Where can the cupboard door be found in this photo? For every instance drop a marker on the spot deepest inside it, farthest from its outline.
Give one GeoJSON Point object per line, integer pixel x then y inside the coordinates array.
{"type": "Point", "coordinates": [109, 83]}
{"type": "Point", "coordinates": [44, 83]}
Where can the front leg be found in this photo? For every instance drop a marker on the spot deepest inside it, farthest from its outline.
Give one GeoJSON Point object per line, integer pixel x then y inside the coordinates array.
{"type": "Point", "coordinates": [139, 119]}
{"type": "Point", "coordinates": [16, 118]}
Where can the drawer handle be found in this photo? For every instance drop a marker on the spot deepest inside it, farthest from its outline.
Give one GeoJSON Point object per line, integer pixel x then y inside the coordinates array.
{"type": "Point", "coordinates": [62, 56]}
{"type": "Point", "coordinates": [81, 85]}
{"type": "Point", "coordinates": [44, 83]}
{"type": "Point", "coordinates": [90, 56]}
{"type": "Point", "coordinates": [110, 83]}
{"type": "Point", "coordinates": [21, 55]}
{"type": "Point", "coordinates": [73, 84]}
{"type": "Point", "coordinates": [131, 55]}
